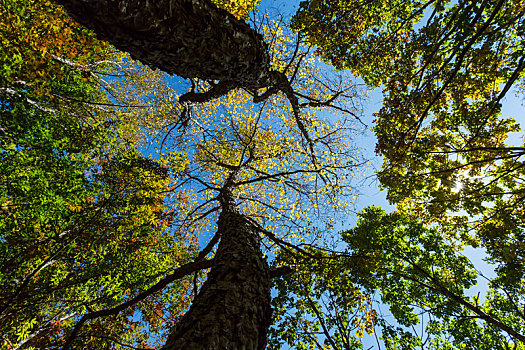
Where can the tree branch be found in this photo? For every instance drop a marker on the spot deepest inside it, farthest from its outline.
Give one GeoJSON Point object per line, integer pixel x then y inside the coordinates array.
{"type": "Point", "coordinates": [180, 272]}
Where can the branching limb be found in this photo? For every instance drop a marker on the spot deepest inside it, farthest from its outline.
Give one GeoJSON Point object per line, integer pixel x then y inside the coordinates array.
{"type": "Point", "coordinates": [280, 271]}
{"type": "Point", "coordinates": [217, 90]}
{"type": "Point", "coordinates": [281, 242]}
{"type": "Point", "coordinates": [323, 325]}
{"type": "Point", "coordinates": [179, 273]}
{"type": "Point", "coordinates": [208, 247]}
{"type": "Point", "coordinates": [191, 97]}
{"type": "Point", "coordinates": [285, 87]}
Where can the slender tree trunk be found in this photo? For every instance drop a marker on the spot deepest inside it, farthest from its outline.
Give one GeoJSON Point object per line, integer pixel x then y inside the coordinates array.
{"type": "Point", "coordinates": [232, 310]}
{"type": "Point", "coordinates": [189, 38]}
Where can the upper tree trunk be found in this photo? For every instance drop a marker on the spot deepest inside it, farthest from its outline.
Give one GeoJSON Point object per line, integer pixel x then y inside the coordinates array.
{"type": "Point", "coordinates": [232, 310]}
{"type": "Point", "coordinates": [189, 38]}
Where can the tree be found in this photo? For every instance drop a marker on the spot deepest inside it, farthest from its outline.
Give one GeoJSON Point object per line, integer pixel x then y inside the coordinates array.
{"type": "Point", "coordinates": [439, 130]}
{"type": "Point", "coordinates": [84, 217]}
{"type": "Point", "coordinates": [253, 168]}
{"type": "Point", "coordinates": [413, 270]}
{"type": "Point", "coordinates": [445, 69]}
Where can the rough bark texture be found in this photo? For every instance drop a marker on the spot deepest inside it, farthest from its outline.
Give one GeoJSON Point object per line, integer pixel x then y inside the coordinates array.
{"type": "Point", "coordinates": [232, 310]}
{"type": "Point", "coordinates": [189, 38]}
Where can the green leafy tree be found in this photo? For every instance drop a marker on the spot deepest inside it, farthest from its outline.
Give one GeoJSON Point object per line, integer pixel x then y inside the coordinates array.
{"type": "Point", "coordinates": [413, 266]}
{"type": "Point", "coordinates": [84, 223]}
{"type": "Point", "coordinates": [393, 261]}
{"type": "Point", "coordinates": [445, 69]}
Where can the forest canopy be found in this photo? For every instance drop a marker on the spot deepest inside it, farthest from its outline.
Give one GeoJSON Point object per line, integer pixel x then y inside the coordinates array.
{"type": "Point", "coordinates": [184, 175]}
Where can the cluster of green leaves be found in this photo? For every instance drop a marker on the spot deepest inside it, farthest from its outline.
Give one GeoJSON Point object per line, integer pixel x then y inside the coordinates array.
{"type": "Point", "coordinates": [440, 127]}
{"type": "Point", "coordinates": [319, 305]}
{"type": "Point", "coordinates": [84, 221]}
{"type": "Point", "coordinates": [418, 272]}
{"type": "Point", "coordinates": [391, 260]}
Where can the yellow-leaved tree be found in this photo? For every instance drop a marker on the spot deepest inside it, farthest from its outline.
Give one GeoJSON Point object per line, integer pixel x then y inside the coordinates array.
{"type": "Point", "coordinates": [256, 180]}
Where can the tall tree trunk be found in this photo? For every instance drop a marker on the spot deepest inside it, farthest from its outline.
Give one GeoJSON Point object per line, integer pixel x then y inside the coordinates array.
{"type": "Point", "coordinates": [195, 39]}
{"type": "Point", "coordinates": [189, 38]}
{"type": "Point", "coordinates": [232, 310]}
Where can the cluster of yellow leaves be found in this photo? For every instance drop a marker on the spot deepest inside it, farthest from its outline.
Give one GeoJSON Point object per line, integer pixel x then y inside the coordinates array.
{"type": "Point", "coordinates": [239, 8]}
{"type": "Point", "coordinates": [143, 99]}
{"type": "Point", "coordinates": [280, 183]}
{"type": "Point", "coordinates": [367, 320]}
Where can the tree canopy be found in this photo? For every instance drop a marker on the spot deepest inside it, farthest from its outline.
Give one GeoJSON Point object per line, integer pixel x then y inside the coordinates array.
{"type": "Point", "coordinates": [142, 211]}
{"type": "Point", "coordinates": [85, 223]}
{"type": "Point", "coordinates": [445, 69]}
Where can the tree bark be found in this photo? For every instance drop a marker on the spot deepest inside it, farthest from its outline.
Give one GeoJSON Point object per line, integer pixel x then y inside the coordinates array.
{"type": "Point", "coordinates": [232, 310]}
{"type": "Point", "coordinates": [189, 38]}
